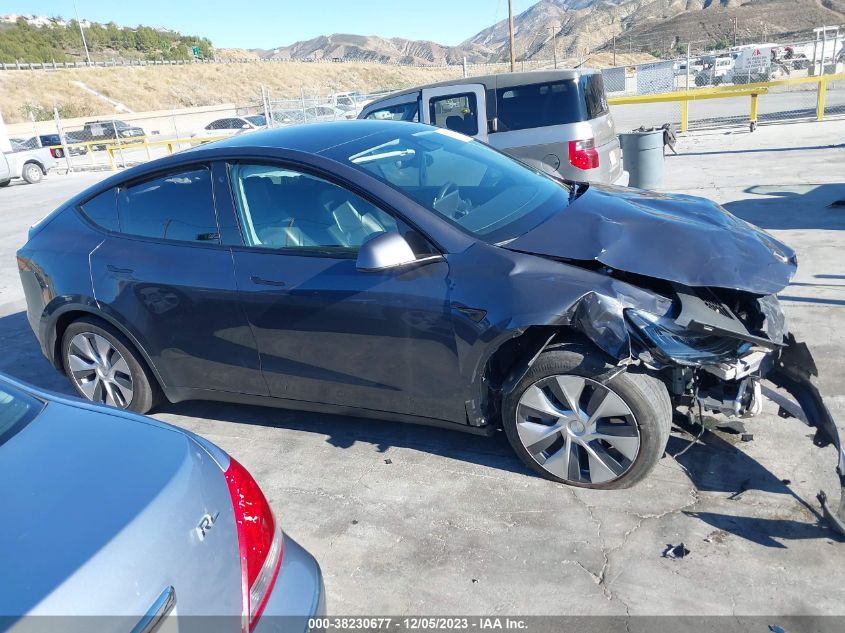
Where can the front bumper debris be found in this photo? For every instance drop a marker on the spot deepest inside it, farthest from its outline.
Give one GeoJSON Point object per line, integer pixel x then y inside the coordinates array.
{"type": "Point", "coordinates": [794, 372]}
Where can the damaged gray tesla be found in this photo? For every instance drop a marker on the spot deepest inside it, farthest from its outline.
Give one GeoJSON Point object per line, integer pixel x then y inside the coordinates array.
{"type": "Point", "coordinates": [399, 271]}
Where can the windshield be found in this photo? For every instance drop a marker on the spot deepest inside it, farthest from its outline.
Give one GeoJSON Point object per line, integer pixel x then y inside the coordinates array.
{"type": "Point", "coordinates": [257, 119]}
{"type": "Point", "coordinates": [17, 409]}
{"type": "Point", "coordinates": [485, 193]}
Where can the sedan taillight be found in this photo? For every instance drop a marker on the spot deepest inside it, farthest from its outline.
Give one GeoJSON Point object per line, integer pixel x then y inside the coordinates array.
{"type": "Point", "coordinates": [583, 154]}
{"type": "Point", "coordinates": [260, 541]}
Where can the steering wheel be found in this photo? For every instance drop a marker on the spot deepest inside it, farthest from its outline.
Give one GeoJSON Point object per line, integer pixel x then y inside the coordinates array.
{"type": "Point", "coordinates": [447, 188]}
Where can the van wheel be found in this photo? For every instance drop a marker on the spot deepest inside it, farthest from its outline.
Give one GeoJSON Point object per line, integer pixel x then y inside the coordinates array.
{"type": "Point", "coordinates": [104, 367]}
{"type": "Point", "coordinates": [32, 173]}
{"type": "Point", "coordinates": [570, 424]}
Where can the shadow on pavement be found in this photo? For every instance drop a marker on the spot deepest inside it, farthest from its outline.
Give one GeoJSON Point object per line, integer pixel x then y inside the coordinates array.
{"type": "Point", "coordinates": [716, 465]}
{"type": "Point", "coordinates": [713, 465]}
{"type": "Point", "coordinates": [22, 357]}
{"type": "Point", "coordinates": [344, 431]}
{"type": "Point", "coordinates": [772, 208]}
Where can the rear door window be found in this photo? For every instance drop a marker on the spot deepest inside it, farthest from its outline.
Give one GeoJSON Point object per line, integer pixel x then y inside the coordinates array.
{"type": "Point", "coordinates": [102, 210]}
{"type": "Point", "coordinates": [176, 206]}
{"type": "Point", "coordinates": [455, 112]}
{"type": "Point", "coordinates": [553, 103]}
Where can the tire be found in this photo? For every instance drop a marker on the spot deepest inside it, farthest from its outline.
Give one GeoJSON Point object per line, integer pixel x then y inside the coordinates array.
{"type": "Point", "coordinates": [32, 173]}
{"type": "Point", "coordinates": [59, 154]}
{"type": "Point", "coordinates": [129, 386]}
{"type": "Point", "coordinates": [4, 183]}
{"type": "Point", "coordinates": [638, 418]}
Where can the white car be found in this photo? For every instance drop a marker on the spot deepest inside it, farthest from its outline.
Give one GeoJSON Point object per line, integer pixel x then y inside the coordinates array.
{"type": "Point", "coordinates": [311, 114]}
{"type": "Point", "coordinates": [230, 126]}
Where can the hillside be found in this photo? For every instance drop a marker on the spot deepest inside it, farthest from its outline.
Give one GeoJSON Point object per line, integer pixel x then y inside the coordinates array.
{"type": "Point", "coordinates": [582, 26]}
{"type": "Point", "coordinates": [53, 39]}
{"type": "Point", "coordinates": [757, 21]}
{"type": "Point", "coordinates": [378, 49]}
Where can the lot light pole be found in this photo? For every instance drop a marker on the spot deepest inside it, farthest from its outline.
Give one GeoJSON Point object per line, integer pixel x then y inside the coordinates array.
{"type": "Point", "coordinates": [82, 33]}
{"type": "Point", "coordinates": [510, 34]}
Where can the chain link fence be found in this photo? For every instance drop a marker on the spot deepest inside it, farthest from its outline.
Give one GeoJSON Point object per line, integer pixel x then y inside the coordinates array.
{"type": "Point", "coordinates": [736, 67]}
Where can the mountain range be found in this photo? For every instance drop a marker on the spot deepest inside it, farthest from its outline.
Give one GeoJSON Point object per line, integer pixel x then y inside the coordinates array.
{"type": "Point", "coordinates": [578, 27]}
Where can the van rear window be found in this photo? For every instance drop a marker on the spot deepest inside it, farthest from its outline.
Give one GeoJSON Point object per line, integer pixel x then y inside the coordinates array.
{"type": "Point", "coordinates": [554, 103]}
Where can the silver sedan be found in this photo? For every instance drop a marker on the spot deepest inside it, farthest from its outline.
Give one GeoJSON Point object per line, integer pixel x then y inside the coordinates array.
{"type": "Point", "coordinates": [108, 513]}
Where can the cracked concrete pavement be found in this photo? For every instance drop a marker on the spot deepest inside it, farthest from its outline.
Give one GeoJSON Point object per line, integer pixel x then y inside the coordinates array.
{"type": "Point", "coordinates": [414, 520]}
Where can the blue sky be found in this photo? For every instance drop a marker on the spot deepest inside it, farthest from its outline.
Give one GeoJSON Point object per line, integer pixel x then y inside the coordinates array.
{"type": "Point", "coordinates": [265, 24]}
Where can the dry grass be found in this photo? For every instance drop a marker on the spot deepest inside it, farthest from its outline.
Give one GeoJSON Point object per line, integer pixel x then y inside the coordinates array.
{"type": "Point", "coordinates": [160, 88]}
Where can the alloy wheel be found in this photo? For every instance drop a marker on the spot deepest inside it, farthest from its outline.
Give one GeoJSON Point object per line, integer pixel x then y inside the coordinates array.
{"type": "Point", "coordinates": [99, 370]}
{"type": "Point", "coordinates": [578, 429]}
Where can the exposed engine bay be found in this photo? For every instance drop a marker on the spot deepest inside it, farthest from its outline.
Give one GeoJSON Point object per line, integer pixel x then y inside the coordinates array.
{"type": "Point", "coordinates": [717, 349]}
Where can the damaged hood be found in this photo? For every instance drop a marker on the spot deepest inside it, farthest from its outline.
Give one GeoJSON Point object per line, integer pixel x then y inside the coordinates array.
{"type": "Point", "coordinates": [682, 239]}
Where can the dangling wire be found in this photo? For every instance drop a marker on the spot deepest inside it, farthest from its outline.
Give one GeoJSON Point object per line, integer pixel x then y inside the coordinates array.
{"type": "Point", "coordinates": [695, 439]}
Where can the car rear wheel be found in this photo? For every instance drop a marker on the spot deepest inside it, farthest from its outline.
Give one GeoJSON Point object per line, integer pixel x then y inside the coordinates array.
{"type": "Point", "coordinates": [4, 183]}
{"type": "Point", "coordinates": [104, 367]}
{"type": "Point", "coordinates": [32, 173]}
{"type": "Point", "coordinates": [571, 423]}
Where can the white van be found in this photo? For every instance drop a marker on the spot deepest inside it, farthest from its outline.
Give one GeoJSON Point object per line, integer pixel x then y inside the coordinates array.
{"type": "Point", "coordinates": [558, 121]}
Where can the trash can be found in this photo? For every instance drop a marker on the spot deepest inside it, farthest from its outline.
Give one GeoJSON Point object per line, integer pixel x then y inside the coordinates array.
{"type": "Point", "coordinates": [642, 158]}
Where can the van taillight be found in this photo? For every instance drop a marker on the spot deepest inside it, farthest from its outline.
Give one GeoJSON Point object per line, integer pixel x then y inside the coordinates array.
{"type": "Point", "coordinates": [259, 539]}
{"type": "Point", "coordinates": [583, 154]}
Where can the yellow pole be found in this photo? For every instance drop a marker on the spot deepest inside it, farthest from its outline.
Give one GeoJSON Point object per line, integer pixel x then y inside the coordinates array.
{"type": "Point", "coordinates": [112, 164]}
{"type": "Point", "coordinates": [684, 115]}
{"type": "Point", "coordinates": [147, 147]}
{"type": "Point", "coordinates": [754, 108]}
{"type": "Point", "coordinates": [820, 99]}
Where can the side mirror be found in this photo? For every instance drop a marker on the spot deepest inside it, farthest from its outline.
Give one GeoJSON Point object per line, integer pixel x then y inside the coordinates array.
{"type": "Point", "coordinates": [384, 251]}
{"type": "Point", "coordinates": [493, 125]}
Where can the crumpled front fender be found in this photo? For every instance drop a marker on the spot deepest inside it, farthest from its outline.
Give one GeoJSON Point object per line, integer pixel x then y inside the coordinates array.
{"type": "Point", "coordinates": [795, 371]}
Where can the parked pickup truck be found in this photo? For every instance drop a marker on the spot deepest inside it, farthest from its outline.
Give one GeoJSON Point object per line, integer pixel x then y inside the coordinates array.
{"type": "Point", "coordinates": [30, 164]}
{"type": "Point", "coordinates": [109, 130]}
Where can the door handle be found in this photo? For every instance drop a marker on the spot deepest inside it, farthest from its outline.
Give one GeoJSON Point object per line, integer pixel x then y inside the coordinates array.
{"type": "Point", "coordinates": [267, 282]}
{"type": "Point", "coordinates": [120, 271]}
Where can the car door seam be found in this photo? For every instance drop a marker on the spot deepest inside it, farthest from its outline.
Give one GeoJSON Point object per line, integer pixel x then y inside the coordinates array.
{"type": "Point", "coordinates": [91, 273]}
{"type": "Point", "coordinates": [241, 305]}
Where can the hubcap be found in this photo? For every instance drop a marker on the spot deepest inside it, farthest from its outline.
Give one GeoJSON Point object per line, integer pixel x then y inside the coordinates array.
{"type": "Point", "coordinates": [99, 370]}
{"type": "Point", "coordinates": [577, 429]}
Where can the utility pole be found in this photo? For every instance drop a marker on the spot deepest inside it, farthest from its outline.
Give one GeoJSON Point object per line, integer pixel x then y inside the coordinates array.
{"type": "Point", "coordinates": [82, 33]}
{"type": "Point", "coordinates": [510, 32]}
{"type": "Point", "coordinates": [554, 45]}
{"type": "Point", "coordinates": [735, 21]}
{"type": "Point", "coordinates": [614, 51]}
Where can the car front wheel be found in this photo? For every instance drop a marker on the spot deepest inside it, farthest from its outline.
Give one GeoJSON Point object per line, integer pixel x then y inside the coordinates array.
{"type": "Point", "coordinates": [572, 420]}
{"type": "Point", "coordinates": [104, 367]}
